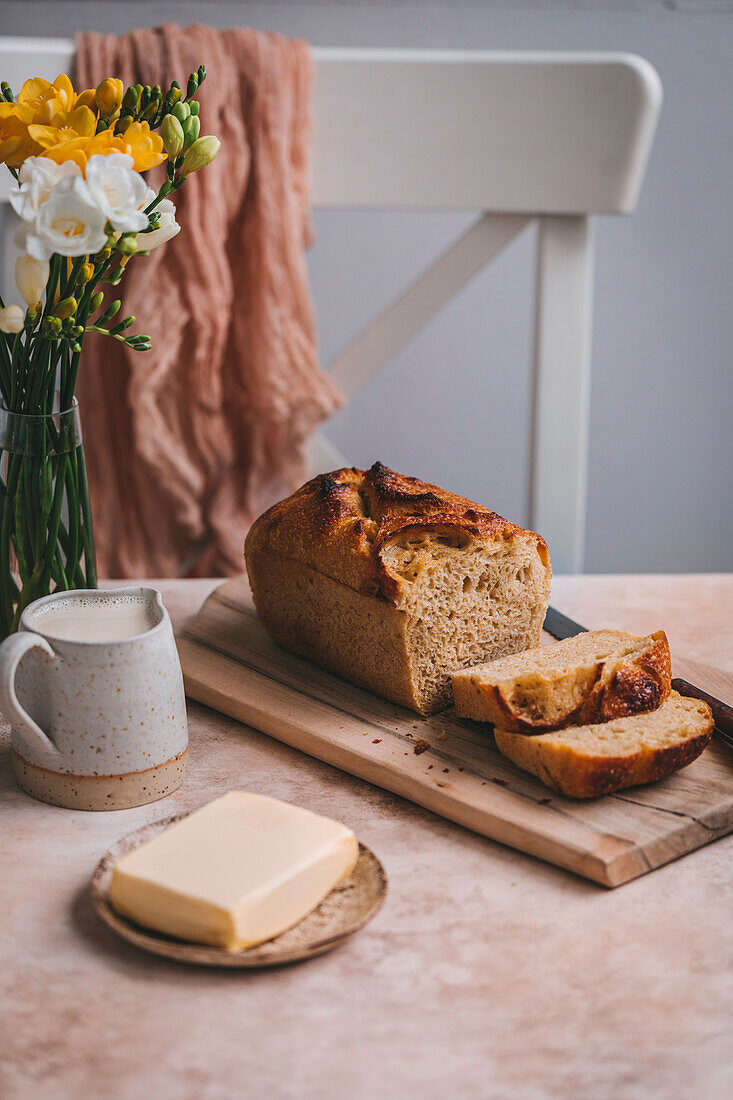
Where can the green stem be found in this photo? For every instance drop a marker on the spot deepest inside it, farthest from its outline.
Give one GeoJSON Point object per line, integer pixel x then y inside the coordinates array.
{"type": "Point", "coordinates": [6, 531]}
{"type": "Point", "coordinates": [90, 561]}
{"type": "Point", "coordinates": [19, 553]}
{"type": "Point", "coordinates": [44, 562]}
{"type": "Point", "coordinates": [5, 361]}
{"type": "Point", "coordinates": [76, 579]}
{"type": "Point", "coordinates": [71, 277]}
{"type": "Point", "coordinates": [15, 371]}
{"type": "Point", "coordinates": [58, 573]}
{"type": "Point", "coordinates": [72, 497]}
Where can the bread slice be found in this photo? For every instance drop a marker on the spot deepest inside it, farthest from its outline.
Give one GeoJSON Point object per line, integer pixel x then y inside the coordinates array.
{"type": "Point", "coordinates": [394, 583]}
{"type": "Point", "coordinates": [588, 761]}
{"type": "Point", "coordinates": [592, 677]}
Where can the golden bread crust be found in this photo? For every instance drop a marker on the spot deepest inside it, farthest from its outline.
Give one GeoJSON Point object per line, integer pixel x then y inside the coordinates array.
{"type": "Point", "coordinates": [577, 774]}
{"type": "Point", "coordinates": [357, 637]}
{"type": "Point", "coordinates": [341, 523]}
{"type": "Point", "coordinates": [615, 688]}
{"type": "Point", "coordinates": [635, 687]}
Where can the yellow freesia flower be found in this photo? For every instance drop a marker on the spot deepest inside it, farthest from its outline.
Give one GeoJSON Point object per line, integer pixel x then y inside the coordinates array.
{"type": "Point", "coordinates": [40, 104]}
{"type": "Point", "coordinates": [67, 137]}
{"type": "Point", "coordinates": [66, 126]}
{"type": "Point", "coordinates": [144, 145]}
{"type": "Point", "coordinates": [51, 120]}
{"type": "Point", "coordinates": [15, 143]}
{"type": "Point", "coordinates": [74, 150]}
{"type": "Point", "coordinates": [138, 141]}
{"type": "Point", "coordinates": [46, 99]}
{"type": "Point", "coordinates": [106, 141]}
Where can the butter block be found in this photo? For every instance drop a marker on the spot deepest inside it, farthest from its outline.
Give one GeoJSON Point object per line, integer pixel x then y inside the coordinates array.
{"type": "Point", "coordinates": [237, 872]}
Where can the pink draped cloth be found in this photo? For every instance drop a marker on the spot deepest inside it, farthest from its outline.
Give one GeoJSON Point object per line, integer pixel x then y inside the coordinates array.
{"type": "Point", "coordinates": [187, 443]}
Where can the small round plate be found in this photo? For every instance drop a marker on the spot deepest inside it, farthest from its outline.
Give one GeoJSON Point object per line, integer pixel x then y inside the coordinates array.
{"type": "Point", "coordinates": [348, 907]}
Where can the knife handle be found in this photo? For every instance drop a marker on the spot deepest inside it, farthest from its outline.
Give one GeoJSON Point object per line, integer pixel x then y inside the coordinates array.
{"type": "Point", "coordinates": [722, 713]}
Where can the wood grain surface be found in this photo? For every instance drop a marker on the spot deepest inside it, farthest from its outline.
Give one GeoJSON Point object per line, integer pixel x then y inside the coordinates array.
{"type": "Point", "coordinates": [447, 764]}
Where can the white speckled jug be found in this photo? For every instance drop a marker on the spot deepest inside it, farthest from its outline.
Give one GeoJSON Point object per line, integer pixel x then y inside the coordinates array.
{"type": "Point", "coordinates": [97, 724]}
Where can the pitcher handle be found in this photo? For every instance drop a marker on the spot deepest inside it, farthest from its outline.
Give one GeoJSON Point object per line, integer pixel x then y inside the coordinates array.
{"type": "Point", "coordinates": [12, 650]}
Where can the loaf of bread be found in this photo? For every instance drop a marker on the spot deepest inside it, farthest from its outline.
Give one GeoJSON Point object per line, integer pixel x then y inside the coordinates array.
{"type": "Point", "coordinates": [394, 583]}
{"type": "Point", "coordinates": [592, 677]}
{"type": "Point", "coordinates": [588, 761]}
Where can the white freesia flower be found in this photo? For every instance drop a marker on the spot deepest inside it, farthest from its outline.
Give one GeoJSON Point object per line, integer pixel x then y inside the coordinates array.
{"type": "Point", "coordinates": [168, 227]}
{"type": "Point", "coordinates": [12, 319]}
{"type": "Point", "coordinates": [31, 276]}
{"type": "Point", "coordinates": [36, 179]}
{"type": "Point", "coordinates": [20, 237]}
{"type": "Point", "coordinates": [69, 222]}
{"type": "Point", "coordinates": [118, 190]}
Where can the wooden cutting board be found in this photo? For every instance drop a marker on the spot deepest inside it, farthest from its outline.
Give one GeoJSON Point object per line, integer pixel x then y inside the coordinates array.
{"type": "Point", "coordinates": [447, 764]}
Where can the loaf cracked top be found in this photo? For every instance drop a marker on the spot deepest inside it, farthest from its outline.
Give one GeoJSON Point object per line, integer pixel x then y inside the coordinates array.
{"type": "Point", "coordinates": [374, 530]}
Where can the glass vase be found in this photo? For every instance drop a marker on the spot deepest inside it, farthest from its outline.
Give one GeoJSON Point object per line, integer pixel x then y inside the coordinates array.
{"type": "Point", "coordinates": [46, 540]}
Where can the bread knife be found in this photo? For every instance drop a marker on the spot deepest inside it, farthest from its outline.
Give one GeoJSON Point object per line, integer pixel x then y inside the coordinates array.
{"type": "Point", "coordinates": [560, 626]}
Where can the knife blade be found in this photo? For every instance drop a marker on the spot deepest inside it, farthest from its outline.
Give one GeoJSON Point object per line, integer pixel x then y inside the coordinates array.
{"type": "Point", "coordinates": [560, 627]}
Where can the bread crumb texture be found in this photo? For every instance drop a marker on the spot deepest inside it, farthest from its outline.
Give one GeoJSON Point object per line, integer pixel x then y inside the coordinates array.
{"type": "Point", "coordinates": [593, 677]}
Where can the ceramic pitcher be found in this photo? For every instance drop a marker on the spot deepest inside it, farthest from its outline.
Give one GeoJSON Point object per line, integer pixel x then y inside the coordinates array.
{"type": "Point", "coordinates": [97, 725]}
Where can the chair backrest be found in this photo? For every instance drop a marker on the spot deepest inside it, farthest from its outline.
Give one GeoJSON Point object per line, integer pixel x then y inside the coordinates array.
{"type": "Point", "coordinates": [555, 137]}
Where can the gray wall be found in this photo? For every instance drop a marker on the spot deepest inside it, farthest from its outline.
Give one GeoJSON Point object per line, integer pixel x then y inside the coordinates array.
{"type": "Point", "coordinates": [454, 406]}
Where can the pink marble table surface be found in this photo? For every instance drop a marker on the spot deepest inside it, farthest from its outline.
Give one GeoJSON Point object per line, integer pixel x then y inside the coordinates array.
{"type": "Point", "coordinates": [487, 973]}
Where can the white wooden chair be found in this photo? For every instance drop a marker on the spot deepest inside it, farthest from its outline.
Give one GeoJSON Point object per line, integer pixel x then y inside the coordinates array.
{"type": "Point", "coordinates": [518, 137]}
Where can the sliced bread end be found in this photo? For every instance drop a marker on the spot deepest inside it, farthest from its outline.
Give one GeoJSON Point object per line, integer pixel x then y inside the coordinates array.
{"type": "Point", "coordinates": [593, 760]}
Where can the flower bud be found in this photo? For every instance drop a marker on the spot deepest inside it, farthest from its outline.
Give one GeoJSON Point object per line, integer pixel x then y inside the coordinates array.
{"type": "Point", "coordinates": [152, 108]}
{"type": "Point", "coordinates": [181, 111]}
{"type": "Point", "coordinates": [96, 301]}
{"type": "Point", "coordinates": [127, 244]}
{"type": "Point", "coordinates": [131, 99]}
{"type": "Point", "coordinates": [191, 129]}
{"type": "Point", "coordinates": [112, 309]}
{"type": "Point", "coordinates": [124, 122]}
{"type": "Point", "coordinates": [65, 309]}
{"type": "Point", "coordinates": [31, 277]}
{"type": "Point", "coordinates": [12, 319]}
{"type": "Point", "coordinates": [108, 96]}
{"type": "Point", "coordinates": [173, 94]}
{"type": "Point", "coordinates": [171, 132]}
{"type": "Point", "coordinates": [86, 99]}
{"type": "Point", "coordinates": [201, 153]}
{"type": "Point", "coordinates": [86, 271]}
{"type": "Point", "coordinates": [194, 107]}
